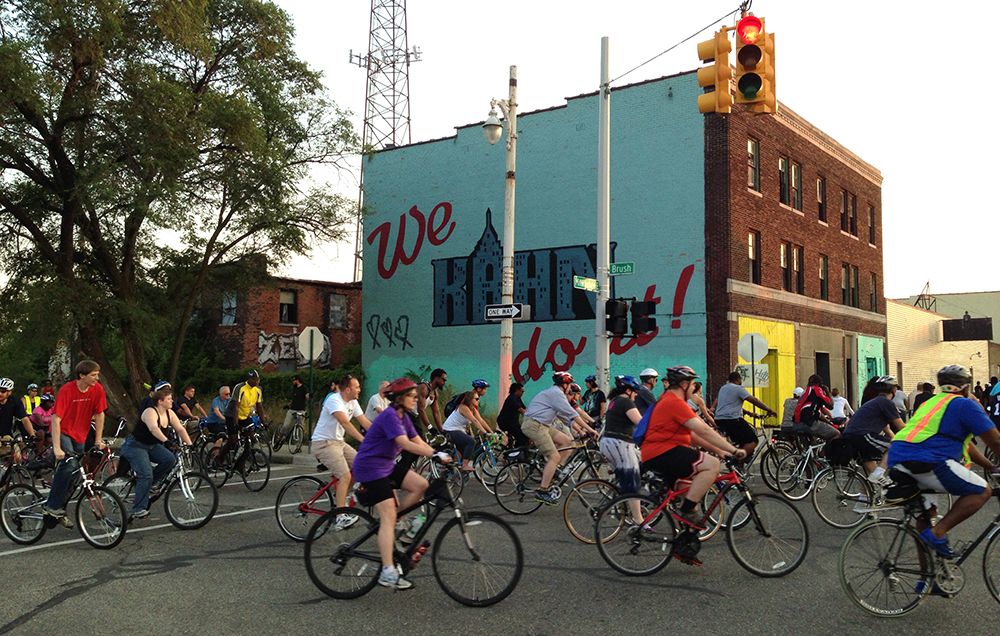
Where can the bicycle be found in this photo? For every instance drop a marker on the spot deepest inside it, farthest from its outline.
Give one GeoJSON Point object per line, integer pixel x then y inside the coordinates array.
{"type": "Point", "coordinates": [251, 458]}
{"type": "Point", "coordinates": [190, 499]}
{"type": "Point", "coordinates": [100, 513]}
{"type": "Point", "coordinates": [886, 568]}
{"type": "Point", "coordinates": [767, 536]}
{"type": "Point", "coordinates": [488, 459]}
{"type": "Point", "coordinates": [516, 483]}
{"type": "Point", "coordinates": [301, 499]}
{"type": "Point", "coordinates": [476, 557]}
{"type": "Point", "coordinates": [296, 435]}
{"type": "Point", "coordinates": [797, 472]}
{"type": "Point", "coordinates": [12, 463]}
{"type": "Point", "coordinates": [582, 505]}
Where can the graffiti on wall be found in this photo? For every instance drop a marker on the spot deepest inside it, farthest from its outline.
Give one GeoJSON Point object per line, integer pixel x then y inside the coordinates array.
{"type": "Point", "coordinates": [384, 331]}
{"type": "Point", "coordinates": [276, 347]}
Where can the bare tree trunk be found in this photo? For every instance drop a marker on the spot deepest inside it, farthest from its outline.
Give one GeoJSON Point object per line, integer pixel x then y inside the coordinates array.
{"type": "Point", "coordinates": [119, 401]}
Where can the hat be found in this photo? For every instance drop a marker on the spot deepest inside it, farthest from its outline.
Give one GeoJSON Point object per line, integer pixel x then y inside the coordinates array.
{"type": "Point", "coordinates": [798, 391]}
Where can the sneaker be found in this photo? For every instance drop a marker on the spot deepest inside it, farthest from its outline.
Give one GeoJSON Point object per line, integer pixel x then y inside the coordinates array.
{"type": "Point", "coordinates": [140, 514]}
{"type": "Point", "coordinates": [935, 590]}
{"type": "Point", "coordinates": [66, 522]}
{"type": "Point", "coordinates": [344, 522]}
{"type": "Point", "coordinates": [53, 512]}
{"type": "Point", "coordinates": [390, 578]}
{"type": "Point", "coordinates": [940, 546]}
{"type": "Point", "coordinates": [547, 497]}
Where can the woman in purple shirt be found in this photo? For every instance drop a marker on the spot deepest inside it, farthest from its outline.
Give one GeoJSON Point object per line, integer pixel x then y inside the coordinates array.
{"type": "Point", "coordinates": [378, 474]}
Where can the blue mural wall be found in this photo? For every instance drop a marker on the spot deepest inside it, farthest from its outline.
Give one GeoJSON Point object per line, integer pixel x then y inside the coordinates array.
{"type": "Point", "coordinates": [434, 227]}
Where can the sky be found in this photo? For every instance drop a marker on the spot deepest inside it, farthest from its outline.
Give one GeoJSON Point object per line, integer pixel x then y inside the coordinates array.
{"type": "Point", "coordinates": [905, 86]}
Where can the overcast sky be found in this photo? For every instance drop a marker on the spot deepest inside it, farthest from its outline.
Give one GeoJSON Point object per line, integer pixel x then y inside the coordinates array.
{"type": "Point", "coordinates": [840, 65]}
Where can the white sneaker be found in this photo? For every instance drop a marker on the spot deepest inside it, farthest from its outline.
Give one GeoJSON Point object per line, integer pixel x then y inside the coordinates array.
{"type": "Point", "coordinates": [344, 522]}
{"type": "Point", "coordinates": [390, 578]}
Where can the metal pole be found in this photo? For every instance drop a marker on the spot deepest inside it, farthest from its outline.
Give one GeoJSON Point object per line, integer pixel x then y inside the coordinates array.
{"type": "Point", "coordinates": [603, 357]}
{"type": "Point", "coordinates": [507, 266]}
{"type": "Point", "coordinates": [312, 356]}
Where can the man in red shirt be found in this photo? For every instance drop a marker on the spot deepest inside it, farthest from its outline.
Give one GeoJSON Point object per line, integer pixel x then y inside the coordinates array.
{"type": "Point", "coordinates": [78, 402]}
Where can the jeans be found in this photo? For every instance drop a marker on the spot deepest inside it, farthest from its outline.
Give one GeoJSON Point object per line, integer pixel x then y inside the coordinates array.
{"type": "Point", "coordinates": [465, 443]}
{"type": "Point", "coordinates": [140, 455]}
{"type": "Point", "coordinates": [64, 473]}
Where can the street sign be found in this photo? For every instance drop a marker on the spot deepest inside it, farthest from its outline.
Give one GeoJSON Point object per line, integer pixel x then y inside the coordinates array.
{"type": "Point", "coordinates": [516, 311]}
{"type": "Point", "coordinates": [620, 269]}
{"type": "Point", "coordinates": [752, 347]}
{"type": "Point", "coordinates": [311, 344]}
{"type": "Point", "coordinates": [586, 284]}
{"type": "Point", "coordinates": [756, 375]}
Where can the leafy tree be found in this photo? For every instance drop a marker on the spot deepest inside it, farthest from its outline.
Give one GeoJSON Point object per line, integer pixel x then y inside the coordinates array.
{"type": "Point", "coordinates": [143, 145]}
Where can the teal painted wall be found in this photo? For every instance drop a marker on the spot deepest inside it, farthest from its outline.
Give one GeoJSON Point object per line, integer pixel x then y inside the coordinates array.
{"type": "Point", "coordinates": [432, 252]}
{"type": "Point", "coordinates": [871, 360]}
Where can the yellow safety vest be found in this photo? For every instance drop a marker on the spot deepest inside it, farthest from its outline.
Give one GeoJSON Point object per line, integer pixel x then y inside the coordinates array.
{"type": "Point", "coordinates": [27, 401]}
{"type": "Point", "coordinates": [926, 422]}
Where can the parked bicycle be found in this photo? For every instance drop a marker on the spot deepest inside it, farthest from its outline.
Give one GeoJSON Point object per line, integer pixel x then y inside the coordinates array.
{"type": "Point", "coordinates": [295, 436]}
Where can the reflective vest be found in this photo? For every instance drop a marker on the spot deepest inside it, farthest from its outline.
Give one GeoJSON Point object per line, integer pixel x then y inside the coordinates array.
{"type": "Point", "coordinates": [30, 403]}
{"type": "Point", "coordinates": [926, 422]}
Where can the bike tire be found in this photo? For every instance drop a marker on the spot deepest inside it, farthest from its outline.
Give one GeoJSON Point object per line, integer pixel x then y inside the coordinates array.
{"type": "Point", "coordinates": [635, 549]}
{"type": "Point", "coordinates": [21, 525]}
{"type": "Point", "coordinates": [794, 481]}
{"type": "Point", "coordinates": [776, 534]}
{"type": "Point", "coordinates": [486, 467]}
{"type": "Point", "coordinates": [581, 506]}
{"type": "Point", "coordinates": [256, 470]}
{"type": "Point", "coordinates": [870, 570]}
{"type": "Point", "coordinates": [293, 521]}
{"type": "Point", "coordinates": [276, 441]}
{"type": "Point", "coordinates": [768, 462]}
{"type": "Point", "coordinates": [191, 504]}
{"type": "Point", "coordinates": [122, 486]}
{"type": "Point", "coordinates": [17, 474]}
{"type": "Point", "coordinates": [837, 492]}
{"type": "Point", "coordinates": [101, 517]}
{"type": "Point", "coordinates": [337, 569]}
{"type": "Point", "coordinates": [991, 566]}
{"type": "Point", "coordinates": [295, 442]}
{"type": "Point", "coordinates": [715, 521]}
{"type": "Point", "coordinates": [218, 474]}
{"type": "Point", "coordinates": [477, 559]}
{"type": "Point", "coordinates": [514, 488]}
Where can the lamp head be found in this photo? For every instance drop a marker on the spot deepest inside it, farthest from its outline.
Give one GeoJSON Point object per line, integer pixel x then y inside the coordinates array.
{"type": "Point", "coordinates": [492, 128]}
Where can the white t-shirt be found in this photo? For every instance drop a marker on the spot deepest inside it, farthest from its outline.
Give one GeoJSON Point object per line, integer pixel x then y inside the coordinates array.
{"type": "Point", "coordinates": [327, 427]}
{"type": "Point", "coordinates": [376, 401]}
{"type": "Point", "coordinates": [840, 407]}
{"type": "Point", "coordinates": [456, 422]}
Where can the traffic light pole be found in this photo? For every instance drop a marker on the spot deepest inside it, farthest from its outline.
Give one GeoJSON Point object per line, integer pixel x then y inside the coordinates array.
{"type": "Point", "coordinates": [603, 356]}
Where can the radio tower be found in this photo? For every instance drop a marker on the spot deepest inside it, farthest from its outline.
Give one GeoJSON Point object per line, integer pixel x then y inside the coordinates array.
{"type": "Point", "coordinates": [387, 93]}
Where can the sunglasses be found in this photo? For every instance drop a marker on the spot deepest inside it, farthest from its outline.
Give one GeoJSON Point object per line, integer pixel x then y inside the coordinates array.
{"type": "Point", "coordinates": [5, 390]}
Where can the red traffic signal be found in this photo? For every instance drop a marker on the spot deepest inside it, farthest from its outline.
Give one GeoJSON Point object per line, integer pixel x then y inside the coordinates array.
{"type": "Point", "coordinates": [749, 28]}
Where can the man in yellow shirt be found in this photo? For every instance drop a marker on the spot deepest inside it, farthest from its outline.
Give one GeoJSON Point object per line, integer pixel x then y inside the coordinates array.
{"type": "Point", "coordinates": [247, 399]}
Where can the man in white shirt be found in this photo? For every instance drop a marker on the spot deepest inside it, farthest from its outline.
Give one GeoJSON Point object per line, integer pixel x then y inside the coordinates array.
{"type": "Point", "coordinates": [378, 402]}
{"type": "Point", "coordinates": [328, 443]}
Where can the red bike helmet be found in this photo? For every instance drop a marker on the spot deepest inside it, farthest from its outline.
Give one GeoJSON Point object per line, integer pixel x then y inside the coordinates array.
{"type": "Point", "coordinates": [398, 387]}
{"type": "Point", "coordinates": [562, 378]}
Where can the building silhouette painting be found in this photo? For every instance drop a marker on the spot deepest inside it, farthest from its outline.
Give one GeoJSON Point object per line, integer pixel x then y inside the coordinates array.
{"type": "Point", "coordinates": [543, 278]}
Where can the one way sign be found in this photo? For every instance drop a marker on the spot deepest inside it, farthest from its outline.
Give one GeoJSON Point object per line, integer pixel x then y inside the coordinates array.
{"type": "Point", "coordinates": [517, 311]}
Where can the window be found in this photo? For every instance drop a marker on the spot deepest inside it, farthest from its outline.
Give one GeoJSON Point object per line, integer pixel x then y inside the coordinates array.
{"type": "Point", "coordinates": [844, 225]}
{"type": "Point", "coordinates": [228, 308]}
{"type": "Point", "coordinates": [821, 198]}
{"type": "Point", "coordinates": [338, 311]}
{"type": "Point", "coordinates": [786, 266]}
{"type": "Point", "coordinates": [871, 224]}
{"type": "Point", "coordinates": [784, 183]}
{"type": "Point", "coordinates": [855, 292]}
{"type": "Point", "coordinates": [845, 294]}
{"type": "Point", "coordinates": [753, 164]}
{"type": "Point", "coordinates": [824, 275]}
{"type": "Point", "coordinates": [796, 186]}
{"type": "Point", "coordinates": [287, 307]}
{"type": "Point", "coordinates": [800, 280]}
{"type": "Point", "coordinates": [753, 253]}
{"type": "Point", "coordinates": [854, 215]}
{"type": "Point", "coordinates": [873, 294]}
{"type": "Point", "coordinates": [823, 366]}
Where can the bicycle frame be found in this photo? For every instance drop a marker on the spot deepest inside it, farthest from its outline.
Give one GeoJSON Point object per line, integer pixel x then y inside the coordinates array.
{"type": "Point", "coordinates": [731, 480]}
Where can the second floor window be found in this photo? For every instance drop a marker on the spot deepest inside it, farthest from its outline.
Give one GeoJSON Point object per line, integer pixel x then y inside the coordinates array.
{"type": "Point", "coordinates": [821, 198]}
{"type": "Point", "coordinates": [844, 223]}
{"type": "Point", "coordinates": [845, 292]}
{"type": "Point", "coordinates": [873, 294]}
{"type": "Point", "coordinates": [753, 253]}
{"type": "Point", "coordinates": [753, 164]}
{"type": "Point", "coordinates": [796, 186]}
{"type": "Point", "coordinates": [786, 266]}
{"type": "Point", "coordinates": [228, 308]}
{"type": "Point", "coordinates": [871, 224]}
{"type": "Point", "coordinates": [824, 276]}
{"type": "Point", "coordinates": [288, 311]}
{"type": "Point", "coordinates": [854, 215]}
{"type": "Point", "coordinates": [800, 280]}
{"type": "Point", "coordinates": [784, 181]}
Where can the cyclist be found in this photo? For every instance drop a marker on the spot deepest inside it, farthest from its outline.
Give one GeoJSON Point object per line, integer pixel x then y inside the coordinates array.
{"type": "Point", "coordinates": [697, 404]}
{"type": "Point", "coordinates": [12, 411]}
{"type": "Point", "coordinates": [188, 406]}
{"type": "Point", "coordinates": [813, 410]}
{"type": "Point", "coordinates": [617, 444]}
{"type": "Point", "coordinates": [595, 403]}
{"type": "Point", "coordinates": [247, 399]}
{"type": "Point", "coordinates": [379, 475]}
{"type": "Point", "coordinates": [788, 409]}
{"type": "Point", "coordinates": [41, 419]}
{"type": "Point", "coordinates": [31, 399]}
{"type": "Point", "coordinates": [377, 403]}
{"type": "Point", "coordinates": [729, 413]}
{"type": "Point", "coordinates": [841, 408]}
{"type": "Point", "coordinates": [479, 387]}
{"type": "Point", "coordinates": [509, 417]}
{"type": "Point", "coordinates": [871, 428]}
{"type": "Point", "coordinates": [673, 430]}
{"type": "Point", "coordinates": [328, 445]}
{"type": "Point", "coordinates": [79, 401]}
{"type": "Point", "coordinates": [932, 446]}
{"type": "Point", "coordinates": [296, 406]}
{"type": "Point", "coordinates": [457, 425]}
{"type": "Point", "coordinates": [645, 398]}
{"type": "Point", "coordinates": [428, 397]}
{"type": "Point", "coordinates": [545, 409]}
{"type": "Point", "coordinates": [144, 446]}
{"type": "Point", "coordinates": [216, 420]}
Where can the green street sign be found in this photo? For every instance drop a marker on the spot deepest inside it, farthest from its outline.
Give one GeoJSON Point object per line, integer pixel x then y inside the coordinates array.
{"type": "Point", "coordinates": [586, 284]}
{"type": "Point", "coordinates": [619, 269]}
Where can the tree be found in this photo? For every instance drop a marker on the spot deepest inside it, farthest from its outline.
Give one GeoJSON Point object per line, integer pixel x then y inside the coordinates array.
{"type": "Point", "coordinates": [147, 140]}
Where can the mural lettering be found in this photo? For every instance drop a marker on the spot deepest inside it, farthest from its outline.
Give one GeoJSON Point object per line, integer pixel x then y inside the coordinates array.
{"type": "Point", "coordinates": [543, 278]}
{"type": "Point", "coordinates": [436, 229]}
{"type": "Point", "coordinates": [274, 347]}
{"type": "Point", "coordinates": [394, 333]}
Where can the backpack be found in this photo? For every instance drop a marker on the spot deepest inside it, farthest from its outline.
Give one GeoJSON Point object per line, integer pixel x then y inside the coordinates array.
{"type": "Point", "coordinates": [639, 433]}
{"type": "Point", "coordinates": [453, 403]}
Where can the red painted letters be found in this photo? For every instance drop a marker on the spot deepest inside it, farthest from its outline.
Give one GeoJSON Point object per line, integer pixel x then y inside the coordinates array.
{"type": "Point", "coordinates": [424, 227]}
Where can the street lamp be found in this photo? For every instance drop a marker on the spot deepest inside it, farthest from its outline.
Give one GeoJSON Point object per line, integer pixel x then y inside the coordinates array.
{"type": "Point", "coordinates": [493, 130]}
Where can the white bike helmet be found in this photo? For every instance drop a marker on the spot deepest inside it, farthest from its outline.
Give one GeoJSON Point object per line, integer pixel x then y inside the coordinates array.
{"type": "Point", "coordinates": [648, 372]}
{"type": "Point", "coordinates": [6, 384]}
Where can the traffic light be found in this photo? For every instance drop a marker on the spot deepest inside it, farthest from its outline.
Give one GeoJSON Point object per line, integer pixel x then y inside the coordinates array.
{"type": "Point", "coordinates": [642, 318]}
{"type": "Point", "coordinates": [716, 76]}
{"type": "Point", "coordinates": [755, 65]}
{"type": "Point", "coordinates": [616, 317]}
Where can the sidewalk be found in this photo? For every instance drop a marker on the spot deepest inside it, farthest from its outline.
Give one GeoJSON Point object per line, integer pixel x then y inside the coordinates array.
{"type": "Point", "coordinates": [302, 458]}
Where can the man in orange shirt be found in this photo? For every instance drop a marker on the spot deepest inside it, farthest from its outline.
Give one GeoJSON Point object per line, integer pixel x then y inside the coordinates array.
{"type": "Point", "coordinates": [666, 448]}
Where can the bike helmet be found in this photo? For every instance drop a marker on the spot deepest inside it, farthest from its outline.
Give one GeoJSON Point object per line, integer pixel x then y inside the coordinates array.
{"type": "Point", "coordinates": [575, 388]}
{"type": "Point", "coordinates": [884, 383]}
{"type": "Point", "coordinates": [48, 397]}
{"type": "Point", "coordinates": [676, 375]}
{"type": "Point", "coordinates": [161, 384]}
{"type": "Point", "coordinates": [480, 383]}
{"type": "Point", "coordinates": [398, 387]}
{"type": "Point", "coordinates": [591, 378]}
{"type": "Point", "coordinates": [32, 387]}
{"type": "Point", "coordinates": [562, 378]}
{"type": "Point", "coordinates": [952, 378]}
{"type": "Point", "coordinates": [6, 384]}
{"type": "Point", "coordinates": [627, 382]}
{"type": "Point", "coordinates": [648, 372]}
{"type": "Point", "coordinates": [253, 373]}
{"type": "Point", "coordinates": [798, 391]}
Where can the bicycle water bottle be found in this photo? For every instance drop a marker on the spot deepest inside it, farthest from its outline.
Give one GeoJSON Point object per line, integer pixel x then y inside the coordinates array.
{"type": "Point", "coordinates": [416, 524]}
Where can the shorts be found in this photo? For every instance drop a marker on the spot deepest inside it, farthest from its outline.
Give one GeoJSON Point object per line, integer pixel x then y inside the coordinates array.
{"type": "Point", "coordinates": [336, 455]}
{"type": "Point", "coordinates": [540, 434]}
{"type": "Point", "coordinates": [822, 430]}
{"type": "Point", "coordinates": [680, 462]}
{"type": "Point", "coordinates": [378, 490]}
{"type": "Point", "coordinates": [625, 460]}
{"type": "Point", "coordinates": [738, 431]}
{"type": "Point", "coordinates": [948, 476]}
{"type": "Point", "coordinates": [870, 448]}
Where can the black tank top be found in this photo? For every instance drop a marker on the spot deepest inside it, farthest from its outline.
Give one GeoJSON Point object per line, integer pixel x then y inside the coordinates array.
{"type": "Point", "coordinates": [141, 432]}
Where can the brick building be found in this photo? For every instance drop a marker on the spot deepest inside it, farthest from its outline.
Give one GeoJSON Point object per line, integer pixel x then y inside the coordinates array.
{"type": "Point", "coordinates": [260, 327]}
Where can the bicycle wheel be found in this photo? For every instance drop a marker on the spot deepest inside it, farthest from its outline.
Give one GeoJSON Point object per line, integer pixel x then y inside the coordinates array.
{"type": "Point", "coordinates": [794, 477]}
{"type": "Point", "coordinates": [101, 517]}
{"type": "Point", "coordinates": [769, 460]}
{"type": "Point", "coordinates": [276, 440]}
{"type": "Point", "coordinates": [775, 540]}
{"type": "Point", "coordinates": [296, 439]}
{"type": "Point", "coordinates": [191, 501]}
{"type": "Point", "coordinates": [714, 520]}
{"type": "Point", "coordinates": [477, 559]}
{"type": "Point", "coordinates": [218, 473]}
{"type": "Point", "coordinates": [17, 474]}
{"type": "Point", "coordinates": [256, 469]}
{"type": "Point", "coordinates": [486, 468]}
{"type": "Point", "coordinates": [885, 569]}
{"type": "Point", "coordinates": [343, 563]}
{"type": "Point", "coordinates": [514, 489]}
{"type": "Point", "coordinates": [581, 506]}
{"type": "Point", "coordinates": [108, 469]}
{"type": "Point", "coordinates": [21, 514]}
{"type": "Point", "coordinates": [637, 547]}
{"type": "Point", "coordinates": [838, 492]}
{"type": "Point", "coordinates": [290, 508]}
{"type": "Point", "coordinates": [124, 487]}
{"type": "Point", "coordinates": [991, 566]}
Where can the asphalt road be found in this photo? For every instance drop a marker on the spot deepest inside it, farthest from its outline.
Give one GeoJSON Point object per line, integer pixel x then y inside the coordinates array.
{"type": "Point", "coordinates": [240, 575]}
